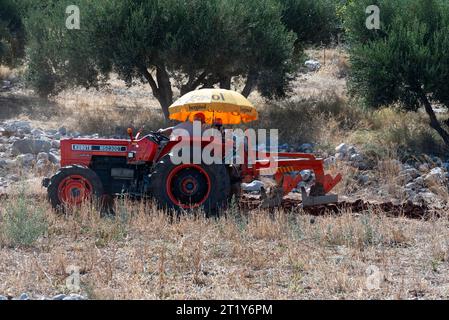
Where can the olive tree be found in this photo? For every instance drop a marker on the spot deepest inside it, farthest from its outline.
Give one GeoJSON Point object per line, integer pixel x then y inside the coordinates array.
{"type": "Point", "coordinates": [166, 43]}
{"type": "Point", "coordinates": [406, 61]}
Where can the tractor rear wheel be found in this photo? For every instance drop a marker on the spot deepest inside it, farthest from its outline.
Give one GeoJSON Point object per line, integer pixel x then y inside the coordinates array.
{"type": "Point", "coordinates": [73, 185]}
{"type": "Point", "coordinates": [189, 186]}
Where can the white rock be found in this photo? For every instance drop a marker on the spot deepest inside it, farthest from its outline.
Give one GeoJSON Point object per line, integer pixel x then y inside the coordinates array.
{"type": "Point", "coordinates": [55, 159]}
{"type": "Point", "coordinates": [62, 131]}
{"type": "Point", "coordinates": [436, 175]}
{"type": "Point", "coordinates": [409, 174]}
{"type": "Point", "coordinates": [25, 159]}
{"type": "Point", "coordinates": [16, 125]}
{"type": "Point", "coordinates": [42, 156]}
{"type": "Point", "coordinates": [24, 296]}
{"type": "Point", "coordinates": [339, 156]}
{"type": "Point", "coordinates": [41, 164]}
{"type": "Point", "coordinates": [356, 157]}
{"type": "Point", "coordinates": [2, 298]}
{"type": "Point", "coordinates": [37, 132]}
{"type": "Point", "coordinates": [74, 296]}
{"type": "Point", "coordinates": [255, 185]}
{"type": "Point", "coordinates": [56, 144]}
{"type": "Point", "coordinates": [329, 161]}
{"type": "Point", "coordinates": [312, 65]}
{"type": "Point", "coordinates": [342, 148]}
{"type": "Point", "coordinates": [59, 297]}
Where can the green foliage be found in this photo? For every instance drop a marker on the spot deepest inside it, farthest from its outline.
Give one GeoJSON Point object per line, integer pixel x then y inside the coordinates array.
{"type": "Point", "coordinates": [406, 58]}
{"type": "Point", "coordinates": [314, 22]}
{"type": "Point", "coordinates": [23, 223]}
{"type": "Point", "coordinates": [58, 57]}
{"type": "Point", "coordinates": [198, 42]}
{"type": "Point", "coordinates": [12, 37]}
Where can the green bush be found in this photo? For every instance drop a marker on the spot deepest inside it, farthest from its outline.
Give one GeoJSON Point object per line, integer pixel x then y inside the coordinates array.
{"type": "Point", "coordinates": [313, 21]}
{"type": "Point", "coordinates": [23, 222]}
{"type": "Point", "coordinates": [12, 34]}
{"type": "Point", "coordinates": [405, 62]}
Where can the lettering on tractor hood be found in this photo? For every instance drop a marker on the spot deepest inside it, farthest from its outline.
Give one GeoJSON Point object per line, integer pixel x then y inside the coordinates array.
{"type": "Point", "coordinates": [105, 148]}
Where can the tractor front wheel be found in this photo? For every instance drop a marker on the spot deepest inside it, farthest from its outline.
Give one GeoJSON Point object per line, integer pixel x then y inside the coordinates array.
{"type": "Point", "coordinates": [73, 185]}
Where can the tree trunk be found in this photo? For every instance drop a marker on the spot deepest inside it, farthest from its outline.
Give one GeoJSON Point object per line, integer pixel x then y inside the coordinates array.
{"type": "Point", "coordinates": [193, 83]}
{"type": "Point", "coordinates": [251, 80]}
{"type": "Point", "coordinates": [434, 123]}
{"type": "Point", "coordinates": [162, 88]}
{"type": "Point", "coordinates": [225, 82]}
{"type": "Point", "coordinates": [163, 80]}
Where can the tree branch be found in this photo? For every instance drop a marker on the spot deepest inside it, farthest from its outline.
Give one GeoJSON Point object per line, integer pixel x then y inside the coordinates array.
{"type": "Point", "coordinates": [251, 80]}
{"type": "Point", "coordinates": [192, 84]}
{"type": "Point", "coordinates": [434, 123]}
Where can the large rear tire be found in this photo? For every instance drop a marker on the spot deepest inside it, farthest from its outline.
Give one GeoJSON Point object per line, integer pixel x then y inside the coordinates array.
{"type": "Point", "coordinates": [73, 185]}
{"type": "Point", "coordinates": [189, 186]}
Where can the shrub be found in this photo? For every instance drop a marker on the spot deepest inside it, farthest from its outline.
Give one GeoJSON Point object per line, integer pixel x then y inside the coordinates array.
{"type": "Point", "coordinates": [23, 222]}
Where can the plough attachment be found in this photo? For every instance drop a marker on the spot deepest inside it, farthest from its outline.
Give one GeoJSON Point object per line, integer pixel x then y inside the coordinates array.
{"type": "Point", "coordinates": [286, 168]}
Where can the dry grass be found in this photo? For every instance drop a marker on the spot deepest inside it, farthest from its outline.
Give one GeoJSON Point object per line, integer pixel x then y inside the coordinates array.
{"type": "Point", "coordinates": [5, 73]}
{"type": "Point", "coordinates": [142, 253]}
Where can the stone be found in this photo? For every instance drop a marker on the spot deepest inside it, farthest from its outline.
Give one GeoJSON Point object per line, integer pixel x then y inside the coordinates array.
{"type": "Point", "coordinates": [37, 133]}
{"type": "Point", "coordinates": [55, 144]}
{"type": "Point", "coordinates": [435, 176]}
{"type": "Point", "coordinates": [356, 157]}
{"type": "Point", "coordinates": [409, 174]}
{"type": "Point", "coordinates": [18, 125]}
{"type": "Point", "coordinates": [59, 297]}
{"type": "Point", "coordinates": [62, 131]}
{"type": "Point", "coordinates": [25, 159]}
{"type": "Point", "coordinates": [9, 163]}
{"type": "Point", "coordinates": [412, 186]}
{"type": "Point", "coordinates": [74, 296]}
{"type": "Point", "coordinates": [55, 159]}
{"type": "Point", "coordinates": [306, 148]}
{"type": "Point", "coordinates": [339, 156]}
{"type": "Point", "coordinates": [329, 161]}
{"type": "Point", "coordinates": [2, 298]}
{"type": "Point", "coordinates": [13, 177]}
{"type": "Point", "coordinates": [24, 296]}
{"type": "Point", "coordinates": [351, 150]}
{"type": "Point", "coordinates": [342, 148]}
{"type": "Point", "coordinates": [41, 164]}
{"type": "Point", "coordinates": [424, 197]}
{"type": "Point", "coordinates": [362, 179]}
{"type": "Point", "coordinates": [33, 146]}
{"type": "Point", "coordinates": [312, 65]}
{"type": "Point", "coordinates": [42, 156]}
{"type": "Point", "coordinates": [255, 185]}
{"type": "Point", "coordinates": [424, 167]}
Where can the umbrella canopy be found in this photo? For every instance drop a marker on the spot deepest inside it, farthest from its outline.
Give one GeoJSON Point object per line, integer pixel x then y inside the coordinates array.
{"type": "Point", "coordinates": [229, 106]}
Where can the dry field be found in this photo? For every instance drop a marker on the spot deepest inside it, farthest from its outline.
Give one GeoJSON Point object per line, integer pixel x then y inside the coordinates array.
{"type": "Point", "coordinates": [142, 253]}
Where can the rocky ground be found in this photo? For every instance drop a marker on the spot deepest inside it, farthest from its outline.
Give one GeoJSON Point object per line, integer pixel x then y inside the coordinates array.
{"type": "Point", "coordinates": [25, 296]}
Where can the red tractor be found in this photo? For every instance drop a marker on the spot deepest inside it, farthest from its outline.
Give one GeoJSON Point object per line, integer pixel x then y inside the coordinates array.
{"type": "Point", "coordinates": [141, 167]}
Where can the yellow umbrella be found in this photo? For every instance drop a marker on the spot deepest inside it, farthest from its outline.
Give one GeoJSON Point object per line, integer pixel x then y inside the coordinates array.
{"type": "Point", "coordinates": [229, 106]}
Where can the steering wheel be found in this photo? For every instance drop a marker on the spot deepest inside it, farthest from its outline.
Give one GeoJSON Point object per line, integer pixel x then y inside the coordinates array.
{"type": "Point", "coordinates": [158, 137]}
